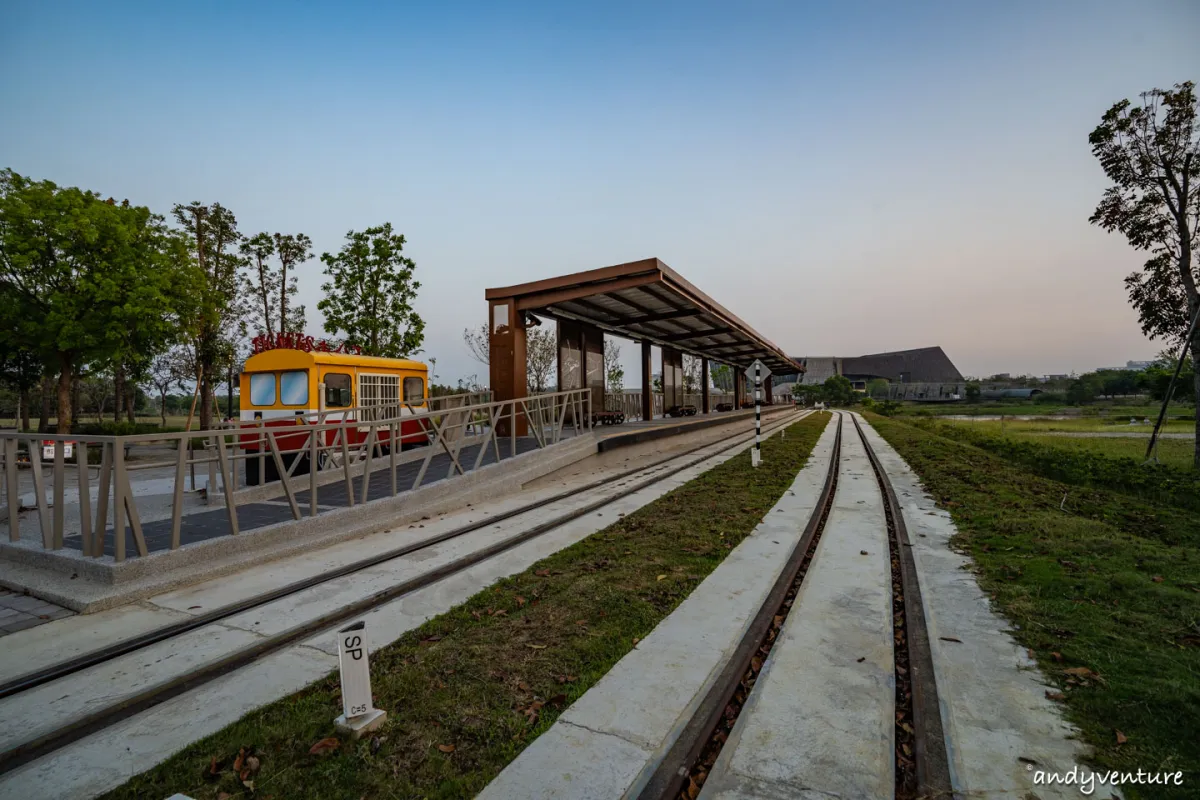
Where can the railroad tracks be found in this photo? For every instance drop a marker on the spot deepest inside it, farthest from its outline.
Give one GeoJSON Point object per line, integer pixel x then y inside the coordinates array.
{"type": "Point", "coordinates": [86, 682]}
{"type": "Point", "coordinates": [764, 709]}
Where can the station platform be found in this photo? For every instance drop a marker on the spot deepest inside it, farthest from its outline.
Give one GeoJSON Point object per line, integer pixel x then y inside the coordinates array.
{"type": "Point", "coordinates": [639, 431]}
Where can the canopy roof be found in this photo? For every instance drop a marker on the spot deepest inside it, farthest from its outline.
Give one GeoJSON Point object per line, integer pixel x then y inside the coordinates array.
{"type": "Point", "coordinates": [647, 301]}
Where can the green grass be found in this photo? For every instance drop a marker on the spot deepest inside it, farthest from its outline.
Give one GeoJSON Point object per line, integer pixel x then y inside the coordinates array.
{"type": "Point", "coordinates": [1106, 582]}
{"type": "Point", "coordinates": [1174, 452]}
{"type": "Point", "coordinates": [1076, 425]}
{"type": "Point", "coordinates": [1123, 408]}
{"type": "Point", "coordinates": [469, 690]}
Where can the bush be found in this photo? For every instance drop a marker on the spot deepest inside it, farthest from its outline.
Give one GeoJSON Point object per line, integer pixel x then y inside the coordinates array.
{"type": "Point", "coordinates": [1049, 399]}
{"type": "Point", "coordinates": [120, 428]}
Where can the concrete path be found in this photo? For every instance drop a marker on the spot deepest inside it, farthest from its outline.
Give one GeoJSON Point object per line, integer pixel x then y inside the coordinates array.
{"type": "Point", "coordinates": [608, 742]}
{"type": "Point", "coordinates": [820, 719]}
{"type": "Point", "coordinates": [104, 760]}
{"type": "Point", "coordinates": [1000, 728]}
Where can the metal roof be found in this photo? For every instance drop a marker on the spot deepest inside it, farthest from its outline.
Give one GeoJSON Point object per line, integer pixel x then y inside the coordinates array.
{"type": "Point", "coordinates": [647, 301]}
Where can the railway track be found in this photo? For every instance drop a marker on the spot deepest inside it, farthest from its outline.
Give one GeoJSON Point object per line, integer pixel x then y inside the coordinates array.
{"type": "Point", "coordinates": [50, 738]}
{"type": "Point", "coordinates": [701, 761]}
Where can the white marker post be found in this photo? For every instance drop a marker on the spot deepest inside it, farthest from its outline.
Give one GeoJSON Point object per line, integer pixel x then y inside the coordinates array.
{"type": "Point", "coordinates": [758, 371]}
{"type": "Point", "coordinates": [359, 716]}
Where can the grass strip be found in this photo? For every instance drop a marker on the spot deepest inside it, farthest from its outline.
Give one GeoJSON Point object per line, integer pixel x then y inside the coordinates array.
{"type": "Point", "coordinates": [1088, 466]}
{"type": "Point", "coordinates": [1104, 590]}
{"type": "Point", "coordinates": [470, 689]}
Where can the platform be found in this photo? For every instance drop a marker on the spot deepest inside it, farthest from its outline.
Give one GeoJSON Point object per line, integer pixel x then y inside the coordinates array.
{"type": "Point", "coordinates": [639, 431]}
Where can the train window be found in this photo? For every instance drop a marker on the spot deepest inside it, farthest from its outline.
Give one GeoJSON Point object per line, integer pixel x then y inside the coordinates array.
{"type": "Point", "coordinates": [337, 390]}
{"type": "Point", "coordinates": [414, 390]}
{"type": "Point", "coordinates": [293, 387]}
{"type": "Point", "coordinates": [262, 389]}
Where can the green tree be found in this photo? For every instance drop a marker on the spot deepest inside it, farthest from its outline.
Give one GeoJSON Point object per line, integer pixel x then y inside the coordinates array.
{"type": "Point", "coordinates": [370, 293]}
{"type": "Point", "coordinates": [270, 290]}
{"type": "Point", "coordinates": [84, 279]}
{"type": "Point", "coordinates": [877, 387]}
{"type": "Point", "coordinates": [614, 373]}
{"type": "Point", "coordinates": [838, 390]}
{"type": "Point", "coordinates": [1151, 153]}
{"type": "Point", "coordinates": [973, 392]}
{"type": "Point", "coordinates": [217, 321]}
{"type": "Point", "coordinates": [722, 376]}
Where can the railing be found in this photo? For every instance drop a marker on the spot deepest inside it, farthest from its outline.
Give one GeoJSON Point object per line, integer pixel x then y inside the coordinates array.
{"type": "Point", "coordinates": [630, 403]}
{"type": "Point", "coordinates": [335, 450]}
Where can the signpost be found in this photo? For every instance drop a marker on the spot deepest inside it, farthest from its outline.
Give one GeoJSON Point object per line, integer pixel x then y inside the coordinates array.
{"type": "Point", "coordinates": [358, 712]}
{"type": "Point", "coordinates": [757, 371]}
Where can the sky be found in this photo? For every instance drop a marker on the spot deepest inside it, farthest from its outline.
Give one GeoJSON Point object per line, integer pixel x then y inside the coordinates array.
{"type": "Point", "coordinates": [847, 178]}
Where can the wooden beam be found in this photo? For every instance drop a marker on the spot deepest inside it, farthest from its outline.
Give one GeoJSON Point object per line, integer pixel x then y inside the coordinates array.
{"type": "Point", "coordinates": [683, 337]}
{"type": "Point", "coordinates": [533, 302]}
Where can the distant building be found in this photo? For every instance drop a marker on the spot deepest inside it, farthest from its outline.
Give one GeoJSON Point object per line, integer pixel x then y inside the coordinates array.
{"type": "Point", "coordinates": [1001, 376]}
{"type": "Point", "coordinates": [925, 373]}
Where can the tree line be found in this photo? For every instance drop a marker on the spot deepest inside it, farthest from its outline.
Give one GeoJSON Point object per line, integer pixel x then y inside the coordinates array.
{"type": "Point", "coordinates": [100, 292]}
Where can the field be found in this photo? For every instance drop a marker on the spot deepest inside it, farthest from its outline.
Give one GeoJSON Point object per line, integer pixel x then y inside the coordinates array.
{"type": "Point", "coordinates": [1100, 409]}
{"type": "Point", "coordinates": [1102, 585]}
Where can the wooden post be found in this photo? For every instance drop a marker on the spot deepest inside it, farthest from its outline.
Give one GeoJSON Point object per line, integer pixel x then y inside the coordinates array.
{"type": "Point", "coordinates": [705, 401]}
{"type": "Point", "coordinates": [647, 384]}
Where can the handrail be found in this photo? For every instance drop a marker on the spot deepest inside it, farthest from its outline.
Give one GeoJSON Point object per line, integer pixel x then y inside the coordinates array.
{"type": "Point", "coordinates": [334, 450]}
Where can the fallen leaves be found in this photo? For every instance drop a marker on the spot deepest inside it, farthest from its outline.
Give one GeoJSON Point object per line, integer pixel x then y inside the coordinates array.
{"type": "Point", "coordinates": [327, 745]}
{"type": "Point", "coordinates": [1157, 579]}
{"type": "Point", "coordinates": [863, 553]}
{"type": "Point", "coordinates": [536, 646]}
{"type": "Point", "coordinates": [950, 639]}
{"type": "Point", "coordinates": [1055, 695]}
{"type": "Point", "coordinates": [1121, 738]}
{"type": "Point", "coordinates": [446, 748]}
{"type": "Point", "coordinates": [520, 601]}
{"type": "Point", "coordinates": [542, 573]}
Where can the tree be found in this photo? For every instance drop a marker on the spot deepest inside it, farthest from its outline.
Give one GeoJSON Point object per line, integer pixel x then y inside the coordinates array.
{"type": "Point", "coordinates": [22, 370]}
{"type": "Point", "coordinates": [838, 390]}
{"type": "Point", "coordinates": [877, 387]}
{"type": "Point", "coordinates": [691, 374]}
{"type": "Point", "coordinates": [370, 294]}
{"type": "Point", "coordinates": [261, 282]}
{"type": "Point", "coordinates": [722, 376]}
{"type": "Point", "coordinates": [83, 279]}
{"type": "Point", "coordinates": [218, 317]}
{"type": "Point", "coordinates": [541, 356]}
{"type": "Point", "coordinates": [292, 249]}
{"type": "Point", "coordinates": [614, 373]}
{"type": "Point", "coordinates": [1151, 153]}
{"type": "Point", "coordinates": [478, 344]}
{"type": "Point", "coordinates": [973, 392]}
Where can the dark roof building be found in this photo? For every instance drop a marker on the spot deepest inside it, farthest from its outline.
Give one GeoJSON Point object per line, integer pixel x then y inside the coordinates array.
{"type": "Point", "coordinates": [922, 365]}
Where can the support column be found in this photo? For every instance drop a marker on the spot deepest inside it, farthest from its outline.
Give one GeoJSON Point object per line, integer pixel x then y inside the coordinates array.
{"type": "Point", "coordinates": [767, 390]}
{"type": "Point", "coordinates": [672, 378]}
{"type": "Point", "coordinates": [704, 402]}
{"type": "Point", "coordinates": [739, 387]}
{"type": "Point", "coordinates": [506, 360]}
{"type": "Point", "coordinates": [647, 385]}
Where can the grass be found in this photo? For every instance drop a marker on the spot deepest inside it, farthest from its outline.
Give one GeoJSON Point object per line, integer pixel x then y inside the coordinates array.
{"type": "Point", "coordinates": [1118, 409]}
{"type": "Point", "coordinates": [1107, 582]}
{"type": "Point", "coordinates": [470, 689]}
{"type": "Point", "coordinates": [1077, 425]}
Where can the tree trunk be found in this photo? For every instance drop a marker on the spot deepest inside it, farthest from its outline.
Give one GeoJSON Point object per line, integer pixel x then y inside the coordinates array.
{"type": "Point", "coordinates": [230, 410]}
{"type": "Point", "coordinates": [118, 392]}
{"type": "Point", "coordinates": [44, 418]}
{"type": "Point", "coordinates": [1196, 388]}
{"type": "Point", "coordinates": [64, 393]}
{"type": "Point", "coordinates": [25, 399]}
{"type": "Point", "coordinates": [206, 403]}
{"type": "Point", "coordinates": [76, 403]}
{"type": "Point", "coordinates": [131, 402]}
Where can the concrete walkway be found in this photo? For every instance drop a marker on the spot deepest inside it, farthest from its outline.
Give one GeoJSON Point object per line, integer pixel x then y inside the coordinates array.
{"type": "Point", "coordinates": [607, 744]}
{"type": "Point", "coordinates": [820, 720]}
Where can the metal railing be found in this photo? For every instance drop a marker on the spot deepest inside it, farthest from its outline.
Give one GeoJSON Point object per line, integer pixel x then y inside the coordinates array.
{"type": "Point", "coordinates": [630, 403]}
{"type": "Point", "coordinates": [335, 450]}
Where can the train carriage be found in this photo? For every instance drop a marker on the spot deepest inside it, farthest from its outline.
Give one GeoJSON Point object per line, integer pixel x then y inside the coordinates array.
{"type": "Point", "coordinates": [293, 384]}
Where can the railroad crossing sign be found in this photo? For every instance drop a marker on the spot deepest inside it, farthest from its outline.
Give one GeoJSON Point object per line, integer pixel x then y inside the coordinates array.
{"type": "Point", "coordinates": [763, 370]}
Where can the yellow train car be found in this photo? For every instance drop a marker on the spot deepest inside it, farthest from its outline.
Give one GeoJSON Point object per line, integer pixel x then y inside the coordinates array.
{"type": "Point", "coordinates": [290, 385]}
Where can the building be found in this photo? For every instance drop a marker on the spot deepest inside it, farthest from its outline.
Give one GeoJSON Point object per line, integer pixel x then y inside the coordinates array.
{"type": "Point", "coordinates": [925, 373]}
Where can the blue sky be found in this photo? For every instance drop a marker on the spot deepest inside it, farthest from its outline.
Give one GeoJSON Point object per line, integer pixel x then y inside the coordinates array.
{"type": "Point", "coordinates": [847, 179]}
